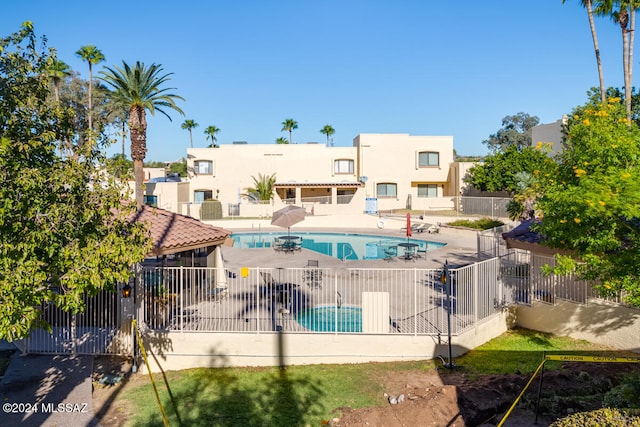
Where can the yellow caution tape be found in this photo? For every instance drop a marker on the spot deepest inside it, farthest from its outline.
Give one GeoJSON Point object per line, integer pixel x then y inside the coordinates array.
{"type": "Point", "coordinates": [578, 358]}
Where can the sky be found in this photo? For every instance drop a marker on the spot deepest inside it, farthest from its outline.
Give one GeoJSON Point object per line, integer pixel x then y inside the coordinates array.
{"type": "Point", "coordinates": [420, 67]}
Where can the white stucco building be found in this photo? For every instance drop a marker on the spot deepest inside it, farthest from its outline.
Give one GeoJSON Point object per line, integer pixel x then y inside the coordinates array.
{"type": "Point", "coordinates": [379, 172]}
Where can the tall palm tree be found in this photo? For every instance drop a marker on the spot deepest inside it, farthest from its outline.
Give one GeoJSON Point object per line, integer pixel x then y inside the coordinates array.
{"type": "Point", "coordinates": [289, 125]}
{"type": "Point", "coordinates": [57, 72]}
{"type": "Point", "coordinates": [189, 125]}
{"type": "Point", "coordinates": [327, 130]}
{"type": "Point", "coordinates": [587, 4]}
{"type": "Point", "coordinates": [141, 88]}
{"type": "Point", "coordinates": [93, 56]}
{"type": "Point", "coordinates": [282, 140]}
{"type": "Point", "coordinates": [211, 132]}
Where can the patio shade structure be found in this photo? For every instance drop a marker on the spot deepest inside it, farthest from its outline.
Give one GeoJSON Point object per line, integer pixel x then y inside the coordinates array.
{"type": "Point", "coordinates": [288, 216]}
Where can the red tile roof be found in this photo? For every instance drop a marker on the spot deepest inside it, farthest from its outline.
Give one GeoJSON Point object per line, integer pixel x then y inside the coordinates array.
{"type": "Point", "coordinates": [172, 232]}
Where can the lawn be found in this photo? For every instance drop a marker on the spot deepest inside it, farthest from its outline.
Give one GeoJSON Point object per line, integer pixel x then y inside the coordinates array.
{"type": "Point", "coordinates": [309, 395]}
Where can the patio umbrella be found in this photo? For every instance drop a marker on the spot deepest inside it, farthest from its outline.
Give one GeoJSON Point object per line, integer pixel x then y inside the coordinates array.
{"type": "Point", "coordinates": [288, 216]}
{"type": "Point", "coordinates": [408, 225]}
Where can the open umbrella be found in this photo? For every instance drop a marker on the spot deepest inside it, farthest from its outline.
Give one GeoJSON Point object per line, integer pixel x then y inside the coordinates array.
{"type": "Point", "coordinates": [408, 225]}
{"type": "Point", "coordinates": [288, 216]}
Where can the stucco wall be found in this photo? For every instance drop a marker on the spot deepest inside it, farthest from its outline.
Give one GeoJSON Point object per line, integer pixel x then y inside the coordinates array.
{"type": "Point", "coordinates": [599, 322]}
{"type": "Point", "coordinates": [175, 350]}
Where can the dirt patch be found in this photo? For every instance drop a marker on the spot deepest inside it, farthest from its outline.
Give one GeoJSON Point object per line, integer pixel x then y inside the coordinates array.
{"type": "Point", "coordinates": [434, 398]}
{"type": "Point", "coordinates": [454, 399]}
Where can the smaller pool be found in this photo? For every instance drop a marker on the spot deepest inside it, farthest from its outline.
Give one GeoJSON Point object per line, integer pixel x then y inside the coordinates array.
{"type": "Point", "coordinates": [325, 318]}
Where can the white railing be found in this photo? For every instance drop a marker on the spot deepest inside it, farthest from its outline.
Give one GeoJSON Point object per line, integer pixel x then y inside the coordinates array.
{"type": "Point", "coordinates": [493, 207]}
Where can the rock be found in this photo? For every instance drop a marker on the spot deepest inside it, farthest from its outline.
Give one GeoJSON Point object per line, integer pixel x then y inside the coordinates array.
{"type": "Point", "coordinates": [401, 398]}
{"type": "Point", "coordinates": [393, 400]}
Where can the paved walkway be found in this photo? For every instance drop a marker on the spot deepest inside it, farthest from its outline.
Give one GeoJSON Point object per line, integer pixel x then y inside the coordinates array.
{"type": "Point", "coordinates": [47, 390]}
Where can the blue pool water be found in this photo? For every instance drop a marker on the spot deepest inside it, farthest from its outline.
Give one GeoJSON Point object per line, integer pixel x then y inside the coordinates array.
{"type": "Point", "coordinates": [338, 245]}
{"type": "Point", "coordinates": [323, 319]}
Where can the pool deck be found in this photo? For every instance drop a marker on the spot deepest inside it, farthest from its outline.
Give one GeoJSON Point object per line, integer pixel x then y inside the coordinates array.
{"type": "Point", "coordinates": [461, 245]}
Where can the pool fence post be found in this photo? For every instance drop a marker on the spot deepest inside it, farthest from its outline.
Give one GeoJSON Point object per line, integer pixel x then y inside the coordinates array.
{"type": "Point", "coordinates": [446, 281]}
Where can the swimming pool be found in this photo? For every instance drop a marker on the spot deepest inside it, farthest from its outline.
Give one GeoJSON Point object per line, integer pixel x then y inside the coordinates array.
{"type": "Point", "coordinates": [324, 318]}
{"type": "Point", "coordinates": [345, 246]}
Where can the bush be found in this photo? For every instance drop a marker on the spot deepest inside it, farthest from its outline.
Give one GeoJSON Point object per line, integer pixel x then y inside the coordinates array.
{"type": "Point", "coordinates": [607, 417]}
{"type": "Point", "coordinates": [211, 209]}
{"type": "Point", "coordinates": [477, 224]}
{"type": "Point", "coordinates": [625, 395]}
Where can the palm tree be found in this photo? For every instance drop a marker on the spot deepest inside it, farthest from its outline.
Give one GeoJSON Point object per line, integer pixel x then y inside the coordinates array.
{"type": "Point", "coordinates": [262, 189]}
{"type": "Point", "coordinates": [93, 56]}
{"type": "Point", "coordinates": [327, 130]}
{"type": "Point", "coordinates": [587, 4]}
{"type": "Point", "coordinates": [289, 125]}
{"type": "Point", "coordinates": [189, 125]}
{"type": "Point", "coordinates": [282, 140]}
{"type": "Point", "coordinates": [141, 88]}
{"type": "Point", "coordinates": [211, 132]}
{"type": "Point", "coordinates": [57, 72]}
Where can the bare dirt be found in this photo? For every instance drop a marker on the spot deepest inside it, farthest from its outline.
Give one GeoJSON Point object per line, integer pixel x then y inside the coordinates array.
{"type": "Point", "coordinates": [436, 398]}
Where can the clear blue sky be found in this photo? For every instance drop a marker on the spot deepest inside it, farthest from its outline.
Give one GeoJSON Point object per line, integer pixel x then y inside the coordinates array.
{"type": "Point", "coordinates": [363, 66]}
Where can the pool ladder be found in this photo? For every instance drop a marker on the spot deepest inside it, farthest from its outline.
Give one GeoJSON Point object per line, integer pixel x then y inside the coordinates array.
{"type": "Point", "coordinates": [346, 255]}
{"type": "Point", "coordinates": [339, 299]}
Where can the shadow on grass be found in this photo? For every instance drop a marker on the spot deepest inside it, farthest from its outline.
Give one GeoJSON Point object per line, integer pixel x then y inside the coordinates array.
{"type": "Point", "coordinates": [219, 397]}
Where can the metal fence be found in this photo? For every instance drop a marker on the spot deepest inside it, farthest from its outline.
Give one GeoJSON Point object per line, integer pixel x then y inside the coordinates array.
{"type": "Point", "coordinates": [309, 300]}
{"type": "Point", "coordinates": [491, 244]}
{"type": "Point", "coordinates": [100, 329]}
{"type": "Point", "coordinates": [494, 207]}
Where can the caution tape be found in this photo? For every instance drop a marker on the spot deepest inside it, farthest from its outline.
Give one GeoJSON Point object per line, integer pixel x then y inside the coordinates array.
{"type": "Point", "coordinates": [577, 358]}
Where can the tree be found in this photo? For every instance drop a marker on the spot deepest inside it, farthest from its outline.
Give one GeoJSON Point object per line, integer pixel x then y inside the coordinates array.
{"type": "Point", "coordinates": [516, 130]}
{"type": "Point", "coordinates": [506, 170]}
{"type": "Point", "coordinates": [62, 238]}
{"type": "Point", "coordinates": [58, 71]}
{"type": "Point", "coordinates": [592, 207]}
{"type": "Point", "coordinates": [93, 56]}
{"type": "Point", "coordinates": [211, 132]}
{"type": "Point", "coordinates": [282, 140]}
{"type": "Point", "coordinates": [328, 131]}
{"type": "Point", "coordinates": [588, 5]}
{"type": "Point", "coordinates": [179, 167]}
{"type": "Point", "coordinates": [141, 89]}
{"type": "Point", "coordinates": [262, 189]}
{"type": "Point", "coordinates": [189, 125]}
{"type": "Point", "coordinates": [289, 125]}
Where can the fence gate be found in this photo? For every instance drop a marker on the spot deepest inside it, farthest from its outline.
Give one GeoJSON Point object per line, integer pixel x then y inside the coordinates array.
{"type": "Point", "coordinates": [100, 329]}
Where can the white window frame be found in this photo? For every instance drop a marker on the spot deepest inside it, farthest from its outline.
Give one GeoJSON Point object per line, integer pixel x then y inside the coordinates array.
{"type": "Point", "coordinates": [387, 184]}
{"type": "Point", "coordinates": [430, 189]}
{"type": "Point", "coordinates": [337, 166]}
{"type": "Point", "coordinates": [197, 165]}
{"type": "Point", "coordinates": [428, 163]}
{"type": "Point", "coordinates": [198, 200]}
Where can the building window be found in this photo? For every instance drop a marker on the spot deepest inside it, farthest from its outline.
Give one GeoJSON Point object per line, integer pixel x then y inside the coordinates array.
{"type": "Point", "coordinates": [343, 166]}
{"type": "Point", "coordinates": [387, 189]}
{"type": "Point", "coordinates": [428, 159]}
{"type": "Point", "coordinates": [427, 190]}
{"type": "Point", "coordinates": [151, 200]}
{"type": "Point", "coordinates": [200, 196]}
{"type": "Point", "coordinates": [203, 167]}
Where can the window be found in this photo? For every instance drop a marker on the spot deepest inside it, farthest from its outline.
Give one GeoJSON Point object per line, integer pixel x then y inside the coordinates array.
{"type": "Point", "coordinates": [203, 167]}
{"type": "Point", "coordinates": [343, 166]}
{"type": "Point", "coordinates": [151, 200]}
{"type": "Point", "coordinates": [427, 190]}
{"type": "Point", "coordinates": [200, 196]}
{"type": "Point", "coordinates": [428, 159]}
{"type": "Point", "coordinates": [387, 189]}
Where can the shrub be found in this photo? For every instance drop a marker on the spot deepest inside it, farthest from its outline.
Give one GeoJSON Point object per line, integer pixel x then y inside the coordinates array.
{"type": "Point", "coordinates": [477, 224]}
{"type": "Point", "coordinates": [626, 394]}
{"type": "Point", "coordinates": [607, 417]}
{"type": "Point", "coordinates": [211, 209]}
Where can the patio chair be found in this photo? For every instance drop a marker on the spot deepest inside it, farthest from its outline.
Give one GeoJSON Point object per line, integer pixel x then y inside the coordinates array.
{"type": "Point", "coordinates": [313, 275]}
{"type": "Point", "coordinates": [267, 279]}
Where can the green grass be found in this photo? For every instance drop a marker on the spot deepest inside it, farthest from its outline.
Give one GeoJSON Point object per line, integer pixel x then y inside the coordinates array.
{"type": "Point", "coordinates": [311, 395]}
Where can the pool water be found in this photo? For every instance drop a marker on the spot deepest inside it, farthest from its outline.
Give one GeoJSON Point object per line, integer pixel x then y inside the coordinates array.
{"type": "Point", "coordinates": [344, 246]}
{"type": "Point", "coordinates": [324, 318]}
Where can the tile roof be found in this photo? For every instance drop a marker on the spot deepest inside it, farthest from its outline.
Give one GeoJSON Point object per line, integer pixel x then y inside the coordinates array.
{"type": "Point", "coordinates": [172, 232]}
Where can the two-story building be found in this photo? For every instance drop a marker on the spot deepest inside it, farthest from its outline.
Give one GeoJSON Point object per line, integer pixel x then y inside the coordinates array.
{"type": "Point", "coordinates": [379, 172]}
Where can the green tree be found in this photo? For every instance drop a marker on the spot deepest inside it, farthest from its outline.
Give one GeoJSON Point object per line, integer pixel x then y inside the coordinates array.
{"type": "Point", "coordinates": [263, 188]}
{"type": "Point", "coordinates": [289, 125]}
{"type": "Point", "coordinates": [61, 238]}
{"type": "Point", "coordinates": [328, 131]}
{"type": "Point", "coordinates": [503, 170]}
{"type": "Point", "coordinates": [211, 132]}
{"type": "Point", "coordinates": [190, 125]}
{"type": "Point", "coordinates": [179, 167]}
{"type": "Point", "coordinates": [58, 71]}
{"type": "Point", "coordinates": [141, 88]}
{"type": "Point", "coordinates": [516, 130]}
{"type": "Point", "coordinates": [282, 140]}
{"type": "Point", "coordinates": [592, 207]}
{"type": "Point", "coordinates": [588, 5]}
{"type": "Point", "coordinates": [92, 55]}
